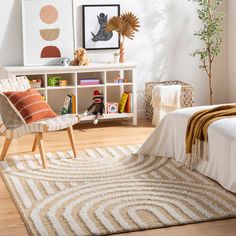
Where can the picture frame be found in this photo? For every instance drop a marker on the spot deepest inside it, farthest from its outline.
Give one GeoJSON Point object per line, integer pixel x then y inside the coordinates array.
{"type": "Point", "coordinates": [48, 31]}
{"type": "Point", "coordinates": [94, 19]}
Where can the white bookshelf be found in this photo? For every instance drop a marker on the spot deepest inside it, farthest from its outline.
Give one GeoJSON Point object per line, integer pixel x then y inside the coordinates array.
{"type": "Point", "coordinates": [73, 74]}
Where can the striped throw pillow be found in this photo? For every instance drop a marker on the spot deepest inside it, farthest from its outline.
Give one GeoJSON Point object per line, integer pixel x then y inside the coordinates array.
{"type": "Point", "coordinates": [30, 105]}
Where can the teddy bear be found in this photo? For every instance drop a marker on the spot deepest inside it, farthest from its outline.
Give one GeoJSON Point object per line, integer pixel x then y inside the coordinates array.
{"type": "Point", "coordinates": [80, 58]}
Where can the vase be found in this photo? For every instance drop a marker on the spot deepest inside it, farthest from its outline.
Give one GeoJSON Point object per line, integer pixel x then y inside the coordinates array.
{"type": "Point", "coordinates": [116, 59]}
{"type": "Point", "coordinates": [122, 52]}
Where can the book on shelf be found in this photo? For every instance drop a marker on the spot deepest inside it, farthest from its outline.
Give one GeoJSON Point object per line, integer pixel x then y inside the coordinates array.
{"type": "Point", "coordinates": [91, 81]}
{"type": "Point", "coordinates": [123, 102]}
{"type": "Point", "coordinates": [69, 106]}
{"type": "Point", "coordinates": [126, 102]}
{"type": "Point", "coordinates": [129, 103]}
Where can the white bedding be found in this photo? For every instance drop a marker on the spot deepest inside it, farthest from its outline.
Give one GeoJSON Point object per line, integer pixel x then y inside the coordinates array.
{"type": "Point", "coordinates": [168, 140]}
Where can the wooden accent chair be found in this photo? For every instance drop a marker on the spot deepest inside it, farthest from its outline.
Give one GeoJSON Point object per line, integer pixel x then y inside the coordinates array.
{"type": "Point", "coordinates": [11, 126]}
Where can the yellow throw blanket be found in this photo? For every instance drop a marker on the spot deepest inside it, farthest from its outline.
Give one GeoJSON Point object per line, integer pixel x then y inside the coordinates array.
{"type": "Point", "coordinates": [196, 133]}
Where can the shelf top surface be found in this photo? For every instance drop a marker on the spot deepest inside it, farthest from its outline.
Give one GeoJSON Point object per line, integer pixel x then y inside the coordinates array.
{"type": "Point", "coordinates": [67, 69]}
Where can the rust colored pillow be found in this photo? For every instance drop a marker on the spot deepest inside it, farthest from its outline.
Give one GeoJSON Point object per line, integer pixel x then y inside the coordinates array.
{"type": "Point", "coordinates": [30, 105]}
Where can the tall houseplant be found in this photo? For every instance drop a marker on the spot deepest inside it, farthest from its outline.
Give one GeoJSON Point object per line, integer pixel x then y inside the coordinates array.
{"type": "Point", "coordinates": [126, 26]}
{"type": "Point", "coordinates": [210, 35]}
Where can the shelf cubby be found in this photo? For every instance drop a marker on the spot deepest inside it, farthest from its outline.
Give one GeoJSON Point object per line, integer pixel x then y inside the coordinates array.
{"type": "Point", "coordinates": [112, 75]}
{"type": "Point", "coordinates": [56, 98]}
{"type": "Point", "coordinates": [38, 77]}
{"type": "Point", "coordinates": [87, 92]}
{"type": "Point", "coordinates": [70, 77]}
{"type": "Point", "coordinates": [128, 76]}
{"type": "Point", "coordinates": [91, 75]}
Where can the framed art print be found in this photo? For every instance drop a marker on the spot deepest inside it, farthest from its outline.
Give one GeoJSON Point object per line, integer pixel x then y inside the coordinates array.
{"type": "Point", "coordinates": [95, 36]}
{"type": "Point", "coordinates": [48, 31]}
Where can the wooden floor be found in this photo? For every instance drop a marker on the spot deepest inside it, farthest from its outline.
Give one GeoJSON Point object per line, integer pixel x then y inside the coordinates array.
{"type": "Point", "coordinates": [106, 134]}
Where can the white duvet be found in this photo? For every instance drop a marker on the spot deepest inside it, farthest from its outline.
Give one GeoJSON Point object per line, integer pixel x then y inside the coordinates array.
{"type": "Point", "coordinates": [168, 140]}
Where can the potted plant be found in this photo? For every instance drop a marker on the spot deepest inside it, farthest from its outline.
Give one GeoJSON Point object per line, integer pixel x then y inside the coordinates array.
{"type": "Point", "coordinates": [125, 25]}
{"type": "Point", "coordinates": [210, 35]}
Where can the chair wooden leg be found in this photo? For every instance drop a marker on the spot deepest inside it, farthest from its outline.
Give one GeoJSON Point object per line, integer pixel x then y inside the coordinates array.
{"type": "Point", "coordinates": [41, 149]}
{"type": "Point", "coordinates": [70, 132]}
{"type": "Point", "coordinates": [35, 145]}
{"type": "Point", "coordinates": [5, 148]}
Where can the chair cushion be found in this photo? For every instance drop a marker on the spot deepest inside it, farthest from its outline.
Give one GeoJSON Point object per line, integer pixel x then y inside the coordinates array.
{"type": "Point", "coordinates": [48, 125]}
{"type": "Point", "coordinates": [30, 105]}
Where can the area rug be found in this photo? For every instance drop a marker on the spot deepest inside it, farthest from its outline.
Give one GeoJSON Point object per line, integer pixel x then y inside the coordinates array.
{"type": "Point", "coordinates": [108, 190]}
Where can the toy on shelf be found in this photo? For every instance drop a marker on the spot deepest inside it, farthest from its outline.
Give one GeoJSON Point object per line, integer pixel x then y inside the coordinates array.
{"type": "Point", "coordinates": [80, 58]}
{"type": "Point", "coordinates": [63, 82]}
{"type": "Point", "coordinates": [54, 81]}
{"type": "Point", "coordinates": [98, 106]}
{"type": "Point", "coordinates": [118, 80]}
{"type": "Point", "coordinates": [112, 108]}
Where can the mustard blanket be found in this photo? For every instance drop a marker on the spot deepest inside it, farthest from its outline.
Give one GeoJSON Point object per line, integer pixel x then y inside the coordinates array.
{"type": "Point", "coordinates": [196, 133]}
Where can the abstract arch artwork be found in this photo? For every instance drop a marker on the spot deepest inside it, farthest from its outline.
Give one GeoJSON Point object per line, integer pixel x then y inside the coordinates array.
{"type": "Point", "coordinates": [50, 34]}
{"type": "Point", "coordinates": [49, 14]}
{"type": "Point", "coordinates": [48, 31]}
{"type": "Point", "coordinates": [50, 52]}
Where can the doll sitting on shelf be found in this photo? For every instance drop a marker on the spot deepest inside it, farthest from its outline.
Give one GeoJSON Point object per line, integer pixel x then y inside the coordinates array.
{"type": "Point", "coordinates": [98, 106]}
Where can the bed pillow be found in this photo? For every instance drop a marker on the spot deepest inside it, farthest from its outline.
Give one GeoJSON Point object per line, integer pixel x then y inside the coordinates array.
{"type": "Point", "coordinates": [30, 105]}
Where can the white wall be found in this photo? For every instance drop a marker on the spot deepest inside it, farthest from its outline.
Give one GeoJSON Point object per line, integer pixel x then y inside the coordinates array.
{"type": "Point", "coordinates": [232, 50]}
{"type": "Point", "coordinates": [10, 34]}
{"type": "Point", "coordinates": [161, 47]}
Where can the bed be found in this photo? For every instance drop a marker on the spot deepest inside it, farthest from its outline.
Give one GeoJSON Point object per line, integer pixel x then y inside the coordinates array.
{"type": "Point", "coordinates": [168, 140]}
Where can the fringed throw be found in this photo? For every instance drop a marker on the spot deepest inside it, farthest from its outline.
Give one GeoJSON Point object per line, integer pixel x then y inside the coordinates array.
{"type": "Point", "coordinates": [197, 135]}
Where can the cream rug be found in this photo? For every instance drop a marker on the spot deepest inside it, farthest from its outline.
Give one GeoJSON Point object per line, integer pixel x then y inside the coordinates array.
{"type": "Point", "coordinates": [107, 190]}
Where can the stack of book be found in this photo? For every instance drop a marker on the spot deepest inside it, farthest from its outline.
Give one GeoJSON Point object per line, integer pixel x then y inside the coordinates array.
{"type": "Point", "coordinates": [126, 103]}
{"type": "Point", "coordinates": [87, 82]}
{"type": "Point", "coordinates": [69, 106]}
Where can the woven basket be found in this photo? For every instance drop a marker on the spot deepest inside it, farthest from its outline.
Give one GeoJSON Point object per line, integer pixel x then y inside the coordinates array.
{"type": "Point", "coordinates": [186, 97]}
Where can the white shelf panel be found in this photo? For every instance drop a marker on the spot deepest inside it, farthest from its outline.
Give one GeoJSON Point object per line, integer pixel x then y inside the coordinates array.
{"type": "Point", "coordinates": [91, 86]}
{"type": "Point", "coordinates": [61, 87]}
{"type": "Point", "coordinates": [118, 84]}
{"type": "Point", "coordinates": [69, 69]}
{"type": "Point", "coordinates": [107, 116]}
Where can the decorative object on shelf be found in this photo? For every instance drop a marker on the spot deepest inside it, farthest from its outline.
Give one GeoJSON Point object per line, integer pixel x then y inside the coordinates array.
{"type": "Point", "coordinates": [54, 81]}
{"type": "Point", "coordinates": [112, 108]}
{"type": "Point", "coordinates": [95, 18]}
{"type": "Point", "coordinates": [35, 83]}
{"type": "Point", "coordinates": [63, 82]}
{"type": "Point", "coordinates": [186, 96]}
{"type": "Point", "coordinates": [116, 56]}
{"type": "Point", "coordinates": [125, 25]}
{"type": "Point", "coordinates": [211, 36]}
{"type": "Point", "coordinates": [98, 106]}
{"type": "Point", "coordinates": [123, 101]}
{"type": "Point", "coordinates": [80, 58]}
{"type": "Point", "coordinates": [65, 61]}
{"type": "Point", "coordinates": [47, 31]}
{"type": "Point", "coordinates": [118, 80]}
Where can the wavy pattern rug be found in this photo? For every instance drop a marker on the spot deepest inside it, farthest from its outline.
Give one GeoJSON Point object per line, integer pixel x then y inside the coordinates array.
{"type": "Point", "coordinates": [107, 190]}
